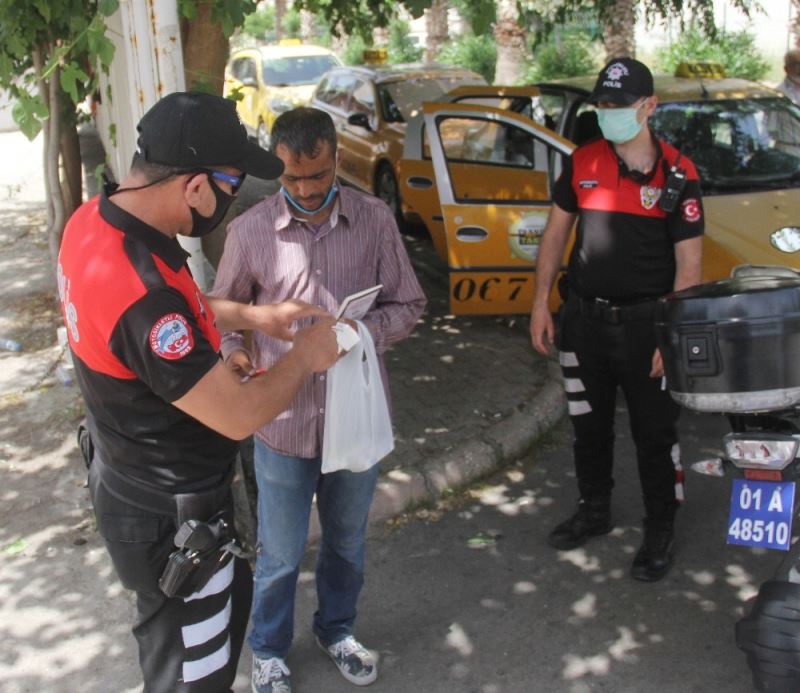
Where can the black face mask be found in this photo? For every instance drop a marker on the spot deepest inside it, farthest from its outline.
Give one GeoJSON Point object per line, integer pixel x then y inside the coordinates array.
{"type": "Point", "coordinates": [203, 225]}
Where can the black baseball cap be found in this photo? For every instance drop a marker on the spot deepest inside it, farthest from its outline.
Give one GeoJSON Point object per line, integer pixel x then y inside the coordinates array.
{"type": "Point", "coordinates": [189, 130]}
{"type": "Point", "coordinates": [623, 81]}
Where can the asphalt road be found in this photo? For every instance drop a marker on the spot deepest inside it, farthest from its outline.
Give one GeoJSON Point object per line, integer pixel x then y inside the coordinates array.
{"type": "Point", "coordinates": [471, 598]}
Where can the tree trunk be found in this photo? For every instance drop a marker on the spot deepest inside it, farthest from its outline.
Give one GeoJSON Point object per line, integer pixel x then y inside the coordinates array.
{"type": "Point", "coordinates": [380, 37]}
{"type": "Point", "coordinates": [71, 162]}
{"type": "Point", "coordinates": [48, 90]}
{"type": "Point", "coordinates": [619, 30]}
{"type": "Point", "coordinates": [510, 38]}
{"type": "Point", "coordinates": [306, 26]}
{"type": "Point", "coordinates": [794, 26]}
{"type": "Point", "coordinates": [280, 11]}
{"type": "Point", "coordinates": [205, 52]}
{"type": "Point", "coordinates": [436, 28]}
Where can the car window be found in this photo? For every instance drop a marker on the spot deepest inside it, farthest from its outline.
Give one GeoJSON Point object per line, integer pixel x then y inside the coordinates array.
{"type": "Point", "coordinates": [389, 110]}
{"type": "Point", "coordinates": [408, 95]}
{"type": "Point", "coordinates": [735, 143]}
{"type": "Point", "coordinates": [517, 162]}
{"type": "Point", "coordinates": [363, 99]}
{"type": "Point", "coordinates": [298, 69]}
{"type": "Point", "coordinates": [335, 90]}
{"type": "Point", "coordinates": [484, 141]}
{"type": "Point", "coordinates": [551, 107]}
{"type": "Point", "coordinates": [243, 68]}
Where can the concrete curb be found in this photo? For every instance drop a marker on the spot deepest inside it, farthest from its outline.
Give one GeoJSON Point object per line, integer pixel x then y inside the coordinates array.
{"type": "Point", "coordinates": [500, 444]}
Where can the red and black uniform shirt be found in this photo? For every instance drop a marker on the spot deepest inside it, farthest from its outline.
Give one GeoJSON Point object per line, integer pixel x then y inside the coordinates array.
{"type": "Point", "coordinates": [624, 244]}
{"type": "Point", "coordinates": [141, 335]}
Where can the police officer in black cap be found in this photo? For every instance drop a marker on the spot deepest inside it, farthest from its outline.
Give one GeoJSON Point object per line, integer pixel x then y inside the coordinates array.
{"type": "Point", "coordinates": [163, 411]}
{"type": "Point", "coordinates": [638, 236]}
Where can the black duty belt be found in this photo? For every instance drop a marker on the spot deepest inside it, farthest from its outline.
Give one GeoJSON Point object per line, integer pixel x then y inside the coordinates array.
{"type": "Point", "coordinates": [200, 505]}
{"type": "Point", "coordinates": [614, 312]}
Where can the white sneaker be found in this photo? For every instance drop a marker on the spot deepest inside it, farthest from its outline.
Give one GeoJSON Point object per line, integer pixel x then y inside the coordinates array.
{"type": "Point", "coordinates": [355, 662]}
{"type": "Point", "coordinates": [270, 676]}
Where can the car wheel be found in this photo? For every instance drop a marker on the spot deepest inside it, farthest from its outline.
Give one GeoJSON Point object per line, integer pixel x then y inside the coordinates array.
{"type": "Point", "coordinates": [262, 135]}
{"type": "Point", "coordinates": [386, 188]}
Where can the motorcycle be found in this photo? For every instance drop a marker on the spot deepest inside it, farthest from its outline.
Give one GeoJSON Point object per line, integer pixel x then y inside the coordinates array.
{"type": "Point", "coordinates": [733, 347]}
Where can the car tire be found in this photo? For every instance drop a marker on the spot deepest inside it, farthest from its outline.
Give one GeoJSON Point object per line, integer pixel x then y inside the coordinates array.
{"type": "Point", "coordinates": [262, 135]}
{"type": "Point", "coordinates": [386, 188]}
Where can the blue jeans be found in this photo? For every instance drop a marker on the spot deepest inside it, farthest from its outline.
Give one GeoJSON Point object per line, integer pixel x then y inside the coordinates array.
{"type": "Point", "coordinates": [286, 486]}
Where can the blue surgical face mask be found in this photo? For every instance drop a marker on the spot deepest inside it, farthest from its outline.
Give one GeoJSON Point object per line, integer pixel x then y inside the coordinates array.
{"type": "Point", "coordinates": [328, 199]}
{"type": "Point", "coordinates": [619, 125]}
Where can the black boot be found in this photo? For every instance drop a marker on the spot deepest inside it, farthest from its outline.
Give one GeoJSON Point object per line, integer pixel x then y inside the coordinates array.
{"type": "Point", "coordinates": [592, 519]}
{"type": "Point", "coordinates": [654, 558]}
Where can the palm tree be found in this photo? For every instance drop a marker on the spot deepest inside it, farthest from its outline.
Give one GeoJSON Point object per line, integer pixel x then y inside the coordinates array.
{"type": "Point", "coordinates": [280, 12]}
{"type": "Point", "coordinates": [510, 37]}
{"type": "Point", "coordinates": [436, 28]}
{"type": "Point", "coordinates": [619, 30]}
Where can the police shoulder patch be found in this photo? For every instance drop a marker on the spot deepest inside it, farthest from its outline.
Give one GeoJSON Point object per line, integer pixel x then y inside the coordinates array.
{"type": "Point", "coordinates": [171, 337]}
{"type": "Point", "coordinates": [691, 210]}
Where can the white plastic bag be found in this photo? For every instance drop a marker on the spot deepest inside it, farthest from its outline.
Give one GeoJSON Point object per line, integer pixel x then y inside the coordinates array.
{"type": "Point", "coordinates": [358, 430]}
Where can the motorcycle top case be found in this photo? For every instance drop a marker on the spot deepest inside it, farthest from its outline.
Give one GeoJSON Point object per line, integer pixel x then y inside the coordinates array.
{"type": "Point", "coordinates": [733, 345]}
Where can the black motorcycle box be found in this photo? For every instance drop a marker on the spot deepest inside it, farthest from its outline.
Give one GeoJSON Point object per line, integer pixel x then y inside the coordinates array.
{"type": "Point", "coordinates": [733, 345]}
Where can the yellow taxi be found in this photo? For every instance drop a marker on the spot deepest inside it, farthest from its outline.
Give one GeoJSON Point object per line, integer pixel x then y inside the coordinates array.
{"type": "Point", "coordinates": [370, 106]}
{"type": "Point", "coordinates": [272, 79]}
{"type": "Point", "coordinates": [480, 176]}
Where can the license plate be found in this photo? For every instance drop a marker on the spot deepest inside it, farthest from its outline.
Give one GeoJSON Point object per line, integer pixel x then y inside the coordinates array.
{"type": "Point", "coordinates": [761, 514]}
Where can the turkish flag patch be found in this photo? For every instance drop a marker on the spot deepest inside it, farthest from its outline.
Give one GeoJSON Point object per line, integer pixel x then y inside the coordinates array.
{"type": "Point", "coordinates": [171, 337]}
{"type": "Point", "coordinates": [691, 210]}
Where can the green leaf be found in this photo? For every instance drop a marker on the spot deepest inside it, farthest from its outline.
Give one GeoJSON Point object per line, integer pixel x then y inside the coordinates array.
{"type": "Point", "coordinates": [43, 8]}
{"type": "Point", "coordinates": [99, 46]}
{"type": "Point", "coordinates": [417, 7]}
{"type": "Point", "coordinates": [16, 46]}
{"type": "Point", "coordinates": [187, 9]}
{"type": "Point", "coordinates": [6, 67]}
{"type": "Point", "coordinates": [107, 7]}
{"type": "Point", "coordinates": [71, 76]}
{"type": "Point", "coordinates": [227, 26]}
{"type": "Point", "coordinates": [235, 94]}
{"type": "Point", "coordinates": [15, 547]}
{"type": "Point", "coordinates": [99, 170]}
{"type": "Point", "coordinates": [40, 108]}
{"type": "Point", "coordinates": [24, 113]}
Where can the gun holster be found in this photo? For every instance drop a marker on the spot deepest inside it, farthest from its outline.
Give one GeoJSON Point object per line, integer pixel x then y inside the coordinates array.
{"type": "Point", "coordinates": [202, 549]}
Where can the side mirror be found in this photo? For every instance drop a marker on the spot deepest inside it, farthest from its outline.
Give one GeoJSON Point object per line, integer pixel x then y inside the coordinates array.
{"type": "Point", "coordinates": [359, 119]}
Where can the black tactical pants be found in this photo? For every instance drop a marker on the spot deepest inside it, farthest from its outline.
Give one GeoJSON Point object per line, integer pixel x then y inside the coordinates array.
{"type": "Point", "coordinates": [186, 645]}
{"type": "Point", "coordinates": [601, 350]}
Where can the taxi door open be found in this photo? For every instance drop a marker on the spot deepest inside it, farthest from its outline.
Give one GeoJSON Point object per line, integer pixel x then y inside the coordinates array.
{"type": "Point", "coordinates": [494, 175]}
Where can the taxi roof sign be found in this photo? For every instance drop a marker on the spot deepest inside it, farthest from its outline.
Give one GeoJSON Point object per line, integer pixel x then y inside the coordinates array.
{"type": "Point", "coordinates": [290, 42]}
{"type": "Point", "coordinates": [700, 69]}
{"type": "Point", "coordinates": [375, 56]}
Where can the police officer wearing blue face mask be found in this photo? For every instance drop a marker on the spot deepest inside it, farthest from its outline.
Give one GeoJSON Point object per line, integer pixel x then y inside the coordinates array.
{"type": "Point", "coordinates": [639, 231]}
